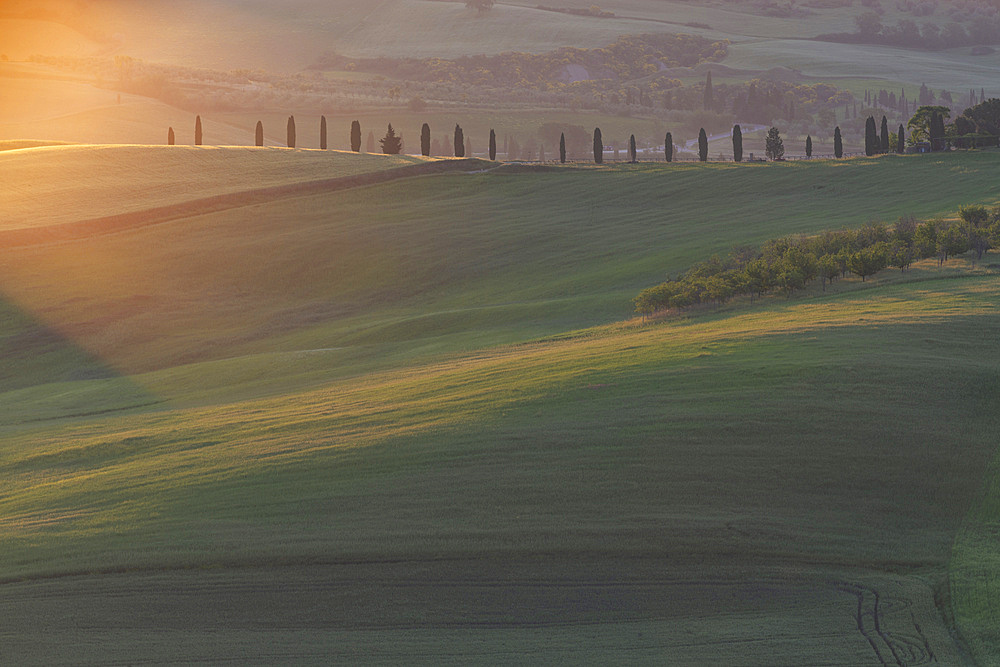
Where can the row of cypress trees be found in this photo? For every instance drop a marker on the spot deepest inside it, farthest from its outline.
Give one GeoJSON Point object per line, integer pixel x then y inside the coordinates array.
{"type": "Point", "coordinates": [875, 142]}
{"type": "Point", "coordinates": [878, 141]}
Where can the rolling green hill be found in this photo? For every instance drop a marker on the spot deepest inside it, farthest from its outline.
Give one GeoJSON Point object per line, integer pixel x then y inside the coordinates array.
{"type": "Point", "coordinates": [404, 421]}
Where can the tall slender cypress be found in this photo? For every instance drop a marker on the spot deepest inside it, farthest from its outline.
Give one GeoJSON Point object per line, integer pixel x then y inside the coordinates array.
{"type": "Point", "coordinates": [197, 131]}
{"type": "Point", "coordinates": [900, 141]}
{"type": "Point", "coordinates": [871, 136]}
{"type": "Point", "coordinates": [598, 146]}
{"type": "Point", "coordinates": [702, 145]}
{"type": "Point", "coordinates": [631, 149]}
{"type": "Point", "coordinates": [668, 147]}
{"type": "Point", "coordinates": [291, 132]}
{"type": "Point", "coordinates": [170, 136]}
{"type": "Point", "coordinates": [425, 139]}
{"type": "Point", "coordinates": [322, 133]}
{"type": "Point", "coordinates": [493, 144]}
{"type": "Point", "coordinates": [838, 143]}
{"type": "Point", "coordinates": [884, 136]}
{"type": "Point", "coordinates": [809, 146]}
{"type": "Point", "coordinates": [356, 136]}
{"type": "Point", "coordinates": [562, 148]}
{"type": "Point", "coordinates": [737, 143]}
{"type": "Point", "coordinates": [459, 141]}
{"type": "Point", "coordinates": [258, 135]}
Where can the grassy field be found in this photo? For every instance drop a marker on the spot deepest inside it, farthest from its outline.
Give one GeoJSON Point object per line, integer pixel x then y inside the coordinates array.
{"type": "Point", "coordinates": [405, 421]}
{"type": "Point", "coordinates": [954, 70]}
{"type": "Point", "coordinates": [59, 184]}
{"type": "Point", "coordinates": [654, 490]}
{"type": "Point", "coordinates": [423, 260]}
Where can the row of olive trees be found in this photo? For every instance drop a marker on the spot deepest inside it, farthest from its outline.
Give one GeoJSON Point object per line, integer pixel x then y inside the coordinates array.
{"type": "Point", "coordinates": [788, 264]}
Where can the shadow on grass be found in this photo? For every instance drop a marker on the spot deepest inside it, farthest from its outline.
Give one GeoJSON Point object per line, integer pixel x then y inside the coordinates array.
{"type": "Point", "coordinates": [44, 375]}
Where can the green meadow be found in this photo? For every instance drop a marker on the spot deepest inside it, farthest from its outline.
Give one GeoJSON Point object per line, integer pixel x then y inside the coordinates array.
{"type": "Point", "coordinates": [415, 421]}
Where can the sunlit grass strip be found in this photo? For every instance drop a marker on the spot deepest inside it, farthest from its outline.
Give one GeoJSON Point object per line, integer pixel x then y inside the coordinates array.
{"type": "Point", "coordinates": [111, 478]}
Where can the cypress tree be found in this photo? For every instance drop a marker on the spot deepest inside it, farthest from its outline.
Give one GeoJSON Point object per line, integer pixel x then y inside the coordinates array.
{"type": "Point", "coordinates": [258, 135]}
{"type": "Point", "coordinates": [291, 132]}
{"type": "Point", "coordinates": [884, 137]}
{"type": "Point", "coordinates": [322, 133]}
{"type": "Point", "coordinates": [737, 144]}
{"type": "Point", "coordinates": [598, 146]}
{"type": "Point", "coordinates": [631, 149]}
{"type": "Point", "coordinates": [197, 131]}
{"type": "Point", "coordinates": [702, 145]}
{"type": "Point", "coordinates": [170, 136]}
{"type": "Point", "coordinates": [707, 100]}
{"type": "Point", "coordinates": [562, 148]}
{"type": "Point", "coordinates": [356, 136]}
{"type": "Point", "coordinates": [493, 144]}
{"type": "Point", "coordinates": [668, 147]}
{"type": "Point", "coordinates": [459, 141]}
{"type": "Point", "coordinates": [900, 141]}
{"type": "Point", "coordinates": [425, 139]}
{"type": "Point", "coordinates": [809, 146]}
{"type": "Point", "coordinates": [871, 136]}
{"type": "Point", "coordinates": [838, 143]}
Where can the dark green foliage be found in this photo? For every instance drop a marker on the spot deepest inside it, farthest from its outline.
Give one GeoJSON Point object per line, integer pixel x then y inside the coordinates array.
{"type": "Point", "coordinates": [884, 136]}
{"type": "Point", "coordinates": [631, 149]}
{"type": "Point", "coordinates": [774, 147]}
{"type": "Point", "coordinates": [425, 139]}
{"type": "Point", "coordinates": [871, 136]}
{"type": "Point", "coordinates": [391, 143]}
{"type": "Point", "coordinates": [838, 143]}
{"type": "Point", "coordinates": [668, 147]}
{"type": "Point", "coordinates": [626, 59]}
{"type": "Point", "coordinates": [922, 124]}
{"type": "Point", "coordinates": [355, 136]}
{"type": "Point", "coordinates": [562, 149]}
{"type": "Point", "coordinates": [981, 227]}
{"type": "Point", "coordinates": [291, 132]}
{"type": "Point", "coordinates": [459, 141]}
{"type": "Point", "coordinates": [788, 264]}
{"type": "Point", "coordinates": [937, 131]}
{"type": "Point", "coordinates": [737, 143]}
{"type": "Point", "coordinates": [869, 260]}
{"type": "Point", "coordinates": [493, 145]}
{"type": "Point", "coordinates": [702, 145]}
{"type": "Point", "coordinates": [322, 133]}
{"type": "Point", "coordinates": [598, 146]}
{"type": "Point", "coordinates": [258, 134]}
{"type": "Point", "coordinates": [197, 131]}
{"type": "Point", "coordinates": [170, 136]}
{"type": "Point", "coordinates": [984, 118]}
{"type": "Point", "coordinates": [809, 146]}
{"type": "Point", "coordinates": [900, 140]}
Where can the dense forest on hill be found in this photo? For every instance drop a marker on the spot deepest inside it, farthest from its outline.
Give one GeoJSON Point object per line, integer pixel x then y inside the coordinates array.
{"type": "Point", "coordinates": [630, 57]}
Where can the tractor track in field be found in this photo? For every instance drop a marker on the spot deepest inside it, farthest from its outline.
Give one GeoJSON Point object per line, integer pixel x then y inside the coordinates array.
{"type": "Point", "coordinates": [890, 627]}
{"type": "Point", "coordinates": [111, 224]}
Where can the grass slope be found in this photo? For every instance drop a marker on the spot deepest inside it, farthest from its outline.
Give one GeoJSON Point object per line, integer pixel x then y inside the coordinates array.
{"type": "Point", "coordinates": [60, 184]}
{"type": "Point", "coordinates": [431, 264]}
{"type": "Point", "coordinates": [287, 430]}
{"type": "Point", "coordinates": [653, 489]}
